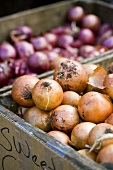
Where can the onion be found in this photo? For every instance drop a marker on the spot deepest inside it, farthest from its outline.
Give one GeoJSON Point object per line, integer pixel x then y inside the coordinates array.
{"type": "Point", "coordinates": [69, 53]}
{"type": "Point", "coordinates": [39, 43]}
{"type": "Point", "coordinates": [60, 136]}
{"type": "Point", "coordinates": [21, 32]}
{"type": "Point", "coordinates": [91, 21]}
{"type": "Point", "coordinates": [47, 94]}
{"type": "Point", "coordinates": [22, 90]}
{"type": "Point", "coordinates": [64, 118]}
{"type": "Point", "coordinates": [52, 55]}
{"type": "Point", "coordinates": [90, 107]}
{"type": "Point", "coordinates": [75, 13]}
{"type": "Point", "coordinates": [18, 67]}
{"type": "Point", "coordinates": [89, 67]}
{"type": "Point", "coordinates": [5, 73]}
{"type": "Point", "coordinates": [71, 98]}
{"type": "Point", "coordinates": [109, 119]}
{"type": "Point", "coordinates": [86, 36]}
{"type": "Point", "coordinates": [91, 155]}
{"type": "Point", "coordinates": [38, 62]}
{"type": "Point", "coordinates": [104, 36]}
{"type": "Point", "coordinates": [76, 43]}
{"type": "Point", "coordinates": [85, 50]}
{"type": "Point", "coordinates": [51, 38]}
{"type": "Point", "coordinates": [100, 136]}
{"type": "Point", "coordinates": [54, 63]}
{"type": "Point", "coordinates": [103, 28]}
{"type": "Point", "coordinates": [7, 51]}
{"type": "Point", "coordinates": [108, 83]}
{"type": "Point", "coordinates": [71, 75]}
{"type": "Point", "coordinates": [79, 134]}
{"type": "Point", "coordinates": [108, 42]}
{"type": "Point", "coordinates": [24, 49]}
{"type": "Point", "coordinates": [105, 155]}
{"type": "Point", "coordinates": [38, 118]}
{"type": "Point", "coordinates": [64, 40]}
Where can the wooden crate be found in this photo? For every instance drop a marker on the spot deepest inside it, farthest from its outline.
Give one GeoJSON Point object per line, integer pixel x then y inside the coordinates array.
{"type": "Point", "coordinates": [22, 146]}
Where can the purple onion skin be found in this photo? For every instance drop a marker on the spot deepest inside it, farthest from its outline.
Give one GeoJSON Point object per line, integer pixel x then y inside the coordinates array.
{"type": "Point", "coordinates": [64, 40]}
{"type": "Point", "coordinates": [24, 49]}
{"type": "Point", "coordinates": [51, 38]}
{"type": "Point", "coordinates": [7, 51]}
{"type": "Point", "coordinates": [38, 63]}
{"type": "Point", "coordinates": [18, 67]}
{"type": "Point", "coordinates": [108, 42]}
{"type": "Point", "coordinates": [5, 74]}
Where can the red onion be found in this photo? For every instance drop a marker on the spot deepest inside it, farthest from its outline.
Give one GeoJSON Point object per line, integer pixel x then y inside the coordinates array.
{"type": "Point", "coordinates": [7, 51]}
{"type": "Point", "coordinates": [59, 30]}
{"type": "Point", "coordinates": [18, 67]}
{"type": "Point", "coordinates": [91, 21]}
{"type": "Point", "coordinates": [105, 35]}
{"type": "Point", "coordinates": [52, 55]}
{"type": "Point", "coordinates": [24, 49]}
{"type": "Point", "coordinates": [38, 62]}
{"type": "Point", "coordinates": [85, 50]}
{"type": "Point", "coordinates": [76, 13]}
{"type": "Point", "coordinates": [40, 43]}
{"type": "Point", "coordinates": [69, 53]}
{"type": "Point", "coordinates": [51, 38]}
{"type": "Point", "coordinates": [76, 43]}
{"type": "Point", "coordinates": [108, 42]}
{"type": "Point", "coordinates": [21, 32]}
{"type": "Point", "coordinates": [5, 73]}
{"type": "Point", "coordinates": [64, 40]}
{"type": "Point", "coordinates": [86, 36]}
{"type": "Point", "coordinates": [103, 28]}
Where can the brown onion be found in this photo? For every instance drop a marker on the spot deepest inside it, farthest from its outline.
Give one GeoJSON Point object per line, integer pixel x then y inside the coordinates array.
{"type": "Point", "coordinates": [91, 155]}
{"type": "Point", "coordinates": [71, 98]}
{"type": "Point", "coordinates": [79, 134]}
{"type": "Point", "coordinates": [22, 90]}
{"type": "Point", "coordinates": [71, 75]}
{"type": "Point", "coordinates": [60, 136]}
{"type": "Point", "coordinates": [100, 136]}
{"type": "Point", "coordinates": [38, 118]}
{"type": "Point", "coordinates": [57, 61]}
{"type": "Point", "coordinates": [90, 107]}
{"type": "Point", "coordinates": [47, 94]}
{"type": "Point", "coordinates": [64, 118]}
{"type": "Point", "coordinates": [109, 119]}
{"type": "Point", "coordinates": [105, 154]}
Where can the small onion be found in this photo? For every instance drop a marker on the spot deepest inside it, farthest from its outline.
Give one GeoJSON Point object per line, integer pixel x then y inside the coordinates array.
{"type": "Point", "coordinates": [60, 136]}
{"type": "Point", "coordinates": [39, 43]}
{"type": "Point", "coordinates": [108, 42]}
{"type": "Point", "coordinates": [69, 72]}
{"type": "Point", "coordinates": [64, 40]}
{"type": "Point", "coordinates": [75, 13]}
{"type": "Point", "coordinates": [22, 32]}
{"type": "Point", "coordinates": [105, 155]}
{"type": "Point", "coordinates": [7, 51]}
{"type": "Point", "coordinates": [90, 107]}
{"type": "Point", "coordinates": [38, 118]}
{"type": "Point", "coordinates": [91, 21]}
{"type": "Point", "coordinates": [51, 38]}
{"type": "Point", "coordinates": [86, 36]}
{"type": "Point", "coordinates": [79, 134]}
{"type": "Point", "coordinates": [24, 49]}
{"type": "Point", "coordinates": [47, 94]}
{"type": "Point", "coordinates": [109, 119]}
{"type": "Point", "coordinates": [85, 50]}
{"type": "Point", "coordinates": [64, 118]}
{"type": "Point", "coordinates": [91, 155]}
{"type": "Point", "coordinates": [71, 98]}
{"type": "Point", "coordinates": [22, 90]}
{"type": "Point", "coordinates": [38, 62]}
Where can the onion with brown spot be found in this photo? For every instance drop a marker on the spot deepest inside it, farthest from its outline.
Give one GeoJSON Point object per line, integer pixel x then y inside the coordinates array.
{"type": "Point", "coordinates": [64, 118]}
{"type": "Point", "coordinates": [71, 75]}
